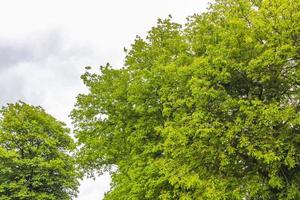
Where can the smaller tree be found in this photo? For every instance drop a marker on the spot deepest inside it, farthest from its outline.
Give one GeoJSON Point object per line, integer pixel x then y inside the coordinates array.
{"type": "Point", "coordinates": [35, 155]}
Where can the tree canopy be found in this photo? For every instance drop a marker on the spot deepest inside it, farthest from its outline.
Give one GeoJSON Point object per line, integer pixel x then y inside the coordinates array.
{"type": "Point", "coordinates": [209, 110]}
{"type": "Point", "coordinates": [35, 155]}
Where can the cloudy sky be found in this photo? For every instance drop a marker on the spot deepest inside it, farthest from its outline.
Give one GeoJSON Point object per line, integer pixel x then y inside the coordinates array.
{"type": "Point", "coordinates": [45, 45]}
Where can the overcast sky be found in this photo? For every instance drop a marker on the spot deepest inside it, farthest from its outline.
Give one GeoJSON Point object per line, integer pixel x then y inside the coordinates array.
{"type": "Point", "coordinates": [45, 45]}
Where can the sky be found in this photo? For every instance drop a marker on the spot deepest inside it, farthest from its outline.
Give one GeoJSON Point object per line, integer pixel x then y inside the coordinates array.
{"type": "Point", "coordinates": [45, 45]}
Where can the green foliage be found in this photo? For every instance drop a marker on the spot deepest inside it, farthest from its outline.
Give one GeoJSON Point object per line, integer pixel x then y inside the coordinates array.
{"type": "Point", "coordinates": [208, 111]}
{"type": "Point", "coordinates": [35, 155]}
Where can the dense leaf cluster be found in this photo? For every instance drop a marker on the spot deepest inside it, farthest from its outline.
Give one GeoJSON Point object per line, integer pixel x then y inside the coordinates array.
{"type": "Point", "coordinates": [35, 159]}
{"type": "Point", "coordinates": [210, 110]}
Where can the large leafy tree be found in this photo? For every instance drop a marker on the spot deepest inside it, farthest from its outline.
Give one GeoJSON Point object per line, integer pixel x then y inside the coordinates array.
{"type": "Point", "coordinates": [35, 155]}
{"type": "Point", "coordinates": [206, 111]}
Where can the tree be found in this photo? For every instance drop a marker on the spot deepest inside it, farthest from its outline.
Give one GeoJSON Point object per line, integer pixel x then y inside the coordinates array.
{"type": "Point", "coordinates": [206, 111]}
{"type": "Point", "coordinates": [35, 155]}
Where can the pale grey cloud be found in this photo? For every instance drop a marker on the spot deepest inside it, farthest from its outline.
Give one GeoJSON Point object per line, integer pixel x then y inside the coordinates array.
{"type": "Point", "coordinates": [89, 191]}
{"type": "Point", "coordinates": [42, 68]}
{"type": "Point", "coordinates": [12, 53]}
{"type": "Point", "coordinates": [29, 48]}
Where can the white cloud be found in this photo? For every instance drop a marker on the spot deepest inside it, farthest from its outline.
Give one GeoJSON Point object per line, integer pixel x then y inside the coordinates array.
{"type": "Point", "coordinates": [44, 46]}
{"type": "Point", "coordinates": [89, 191]}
